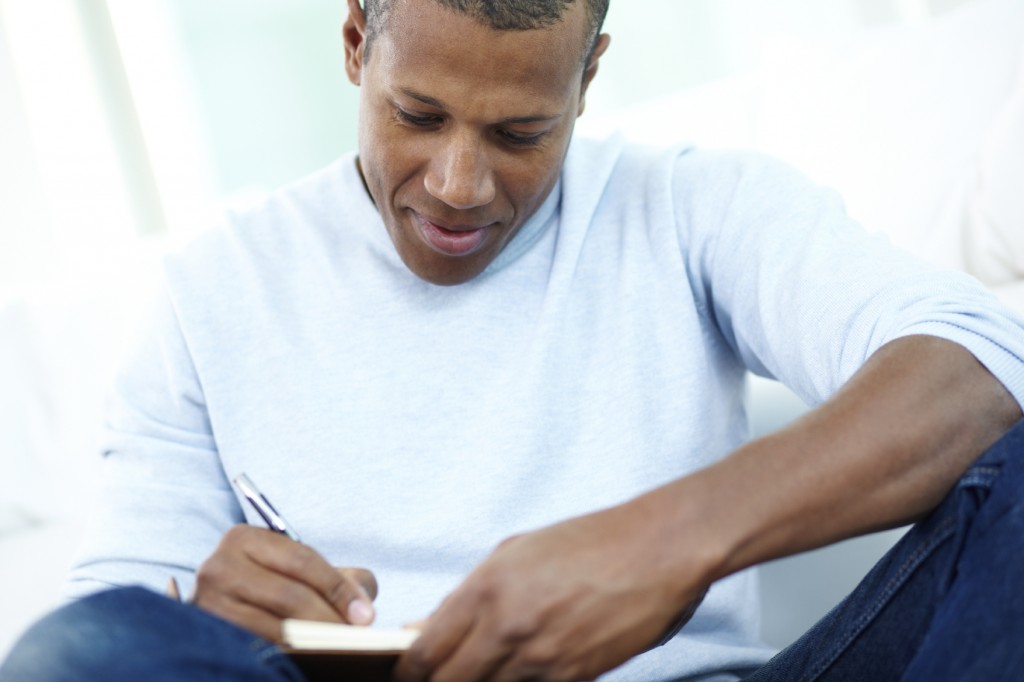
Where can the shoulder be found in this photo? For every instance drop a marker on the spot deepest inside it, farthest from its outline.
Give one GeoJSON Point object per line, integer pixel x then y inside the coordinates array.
{"type": "Point", "coordinates": [277, 227]}
{"type": "Point", "coordinates": [310, 202]}
{"type": "Point", "coordinates": [695, 189]}
{"type": "Point", "coordinates": [614, 165]}
{"type": "Point", "coordinates": [747, 189]}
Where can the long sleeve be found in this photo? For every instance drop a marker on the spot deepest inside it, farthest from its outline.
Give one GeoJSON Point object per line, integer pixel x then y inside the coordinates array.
{"type": "Point", "coordinates": [803, 294]}
{"type": "Point", "coordinates": [164, 501]}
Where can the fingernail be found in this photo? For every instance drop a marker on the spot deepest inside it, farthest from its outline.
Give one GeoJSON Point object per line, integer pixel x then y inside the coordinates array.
{"type": "Point", "coordinates": [360, 612]}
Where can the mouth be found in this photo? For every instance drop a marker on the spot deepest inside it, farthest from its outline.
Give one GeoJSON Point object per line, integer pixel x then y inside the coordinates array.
{"type": "Point", "coordinates": [450, 240]}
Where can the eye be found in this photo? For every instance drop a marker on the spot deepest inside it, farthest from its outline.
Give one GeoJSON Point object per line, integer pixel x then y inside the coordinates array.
{"type": "Point", "coordinates": [416, 120]}
{"type": "Point", "coordinates": [520, 140]}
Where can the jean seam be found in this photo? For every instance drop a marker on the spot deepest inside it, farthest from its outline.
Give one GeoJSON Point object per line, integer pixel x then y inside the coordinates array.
{"type": "Point", "coordinates": [264, 650]}
{"type": "Point", "coordinates": [979, 476]}
{"type": "Point", "coordinates": [937, 536]}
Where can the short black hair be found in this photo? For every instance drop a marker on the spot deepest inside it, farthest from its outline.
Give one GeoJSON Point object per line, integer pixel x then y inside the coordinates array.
{"type": "Point", "coordinates": [501, 15]}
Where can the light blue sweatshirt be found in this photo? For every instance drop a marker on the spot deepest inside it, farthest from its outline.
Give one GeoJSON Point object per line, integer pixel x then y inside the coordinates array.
{"type": "Point", "coordinates": [409, 428]}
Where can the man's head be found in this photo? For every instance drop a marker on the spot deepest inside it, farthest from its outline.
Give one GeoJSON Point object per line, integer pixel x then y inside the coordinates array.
{"type": "Point", "coordinates": [501, 15]}
{"type": "Point", "coordinates": [466, 111]}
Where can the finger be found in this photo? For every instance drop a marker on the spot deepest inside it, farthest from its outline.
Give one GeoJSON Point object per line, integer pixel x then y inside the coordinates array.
{"type": "Point", "coordinates": [284, 597]}
{"type": "Point", "coordinates": [438, 640]}
{"type": "Point", "coordinates": [231, 576]}
{"type": "Point", "coordinates": [478, 657]}
{"type": "Point", "coordinates": [364, 578]}
{"type": "Point", "coordinates": [248, 616]}
{"type": "Point", "coordinates": [343, 593]}
{"type": "Point", "coordinates": [359, 588]}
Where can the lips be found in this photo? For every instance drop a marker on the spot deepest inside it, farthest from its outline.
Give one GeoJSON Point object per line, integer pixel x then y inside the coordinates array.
{"type": "Point", "coordinates": [450, 240]}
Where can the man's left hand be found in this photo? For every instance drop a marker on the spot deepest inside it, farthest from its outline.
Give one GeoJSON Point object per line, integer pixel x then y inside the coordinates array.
{"type": "Point", "coordinates": [567, 602]}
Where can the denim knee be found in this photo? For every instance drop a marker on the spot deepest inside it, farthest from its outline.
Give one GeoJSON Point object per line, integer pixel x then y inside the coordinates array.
{"type": "Point", "coordinates": [135, 634]}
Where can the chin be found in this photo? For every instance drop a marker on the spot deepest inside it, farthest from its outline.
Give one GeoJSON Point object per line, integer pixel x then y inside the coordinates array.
{"type": "Point", "coordinates": [447, 276]}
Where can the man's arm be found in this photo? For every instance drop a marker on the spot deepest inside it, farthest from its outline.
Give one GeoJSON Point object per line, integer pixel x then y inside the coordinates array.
{"type": "Point", "coordinates": [167, 502]}
{"type": "Point", "coordinates": [882, 452]}
{"type": "Point", "coordinates": [576, 599]}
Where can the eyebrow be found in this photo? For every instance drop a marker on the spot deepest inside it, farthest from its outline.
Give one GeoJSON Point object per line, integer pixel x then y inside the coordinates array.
{"type": "Point", "coordinates": [436, 103]}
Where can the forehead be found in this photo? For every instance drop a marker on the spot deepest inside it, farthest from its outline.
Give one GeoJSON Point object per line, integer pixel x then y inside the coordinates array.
{"type": "Point", "coordinates": [428, 47]}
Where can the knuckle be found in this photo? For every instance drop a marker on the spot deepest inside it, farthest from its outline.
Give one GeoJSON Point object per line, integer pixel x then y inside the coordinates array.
{"type": "Point", "coordinates": [212, 571]}
{"type": "Point", "coordinates": [540, 655]}
{"type": "Point", "coordinates": [487, 594]}
{"type": "Point", "coordinates": [487, 586]}
{"type": "Point", "coordinates": [518, 628]}
{"type": "Point", "coordinates": [342, 591]}
{"type": "Point", "coordinates": [236, 535]}
{"type": "Point", "coordinates": [508, 541]}
{"type": "Point", "coordinates": [300, 560]}
{"type": "Point", "coordinates": [205, 596]}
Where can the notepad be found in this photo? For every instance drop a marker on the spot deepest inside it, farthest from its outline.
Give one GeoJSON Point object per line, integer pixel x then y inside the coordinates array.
{"type": "Point", "coordinates": [328, 652]}
{"type": "Point", "coordinates": [308, 635]}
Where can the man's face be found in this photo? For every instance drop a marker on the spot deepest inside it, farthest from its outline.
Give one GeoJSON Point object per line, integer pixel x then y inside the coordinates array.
{"type": "Point", "coordinates": [462, 129]}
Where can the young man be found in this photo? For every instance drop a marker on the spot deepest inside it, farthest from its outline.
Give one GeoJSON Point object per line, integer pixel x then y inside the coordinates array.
{"type": "Point", "coordinates": [475, 330]}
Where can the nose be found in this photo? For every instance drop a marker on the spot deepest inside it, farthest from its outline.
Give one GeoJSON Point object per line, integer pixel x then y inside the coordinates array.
{"type": "Point", "coordinates": [461, 175]}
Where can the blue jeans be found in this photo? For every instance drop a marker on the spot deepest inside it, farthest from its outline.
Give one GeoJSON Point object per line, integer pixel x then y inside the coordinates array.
{"type": "Point", "coordinates": [946, 603]}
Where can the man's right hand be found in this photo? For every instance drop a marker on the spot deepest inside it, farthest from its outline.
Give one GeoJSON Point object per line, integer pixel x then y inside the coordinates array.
{"type": "Point", "coordinates": [256, 578]}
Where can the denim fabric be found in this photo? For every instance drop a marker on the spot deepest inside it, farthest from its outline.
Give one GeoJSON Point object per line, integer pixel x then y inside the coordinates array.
{"type": "Point", "coordinates": [946, 603]}
{"type": "Point", "coordinates": [134, 634]}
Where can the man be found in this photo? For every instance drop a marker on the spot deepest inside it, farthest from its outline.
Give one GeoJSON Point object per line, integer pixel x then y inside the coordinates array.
{"type": "Point", "coordinates": [475, 330]}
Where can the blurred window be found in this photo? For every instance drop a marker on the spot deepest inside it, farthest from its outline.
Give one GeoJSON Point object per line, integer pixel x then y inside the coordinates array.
{"type": "Point", "coordinates": [126, 118]}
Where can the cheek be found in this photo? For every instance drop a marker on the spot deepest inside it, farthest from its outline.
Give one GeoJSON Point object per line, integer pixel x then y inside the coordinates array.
{"type": "Point", "coordinates": [528, 184]}
{"type": "Point", "coordinates": [386, 164]}
{"type": "Point", "coordinates": [387, 144]}
{"type": "Point", "coordinates": [366, 123]}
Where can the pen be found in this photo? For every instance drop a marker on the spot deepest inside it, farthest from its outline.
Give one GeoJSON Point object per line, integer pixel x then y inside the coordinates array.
{"type": "Point", "coordinates": [263, 507]}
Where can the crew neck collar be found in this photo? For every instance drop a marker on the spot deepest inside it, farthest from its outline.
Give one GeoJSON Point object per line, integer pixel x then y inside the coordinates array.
{"type": "Point", "coordinates": [535, 226]}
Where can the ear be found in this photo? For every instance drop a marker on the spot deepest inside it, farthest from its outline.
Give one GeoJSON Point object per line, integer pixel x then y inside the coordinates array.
{"type": "Point", "coordinates": [603, 41]}
{"type": "Point", "coordinates": [353, 32]}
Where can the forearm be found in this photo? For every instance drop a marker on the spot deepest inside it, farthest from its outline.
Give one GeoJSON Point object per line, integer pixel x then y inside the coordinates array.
{"type": "Point", "coordinates": [882, 452]}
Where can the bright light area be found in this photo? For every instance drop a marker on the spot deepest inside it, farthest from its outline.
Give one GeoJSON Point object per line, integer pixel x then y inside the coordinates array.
{"type": "Point", "coordinates": [84, 205]}
{"type": "Point", "coordinates": [166, 106]}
